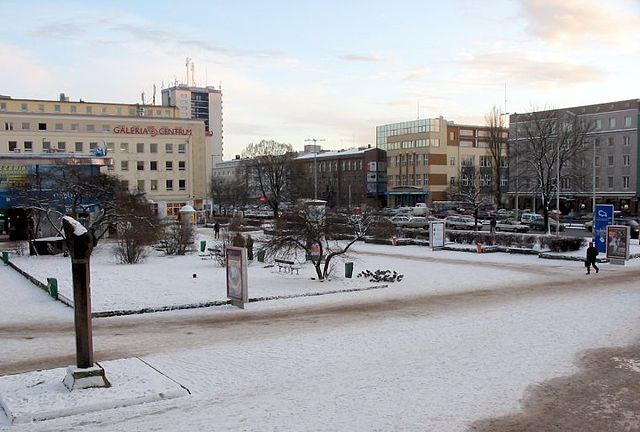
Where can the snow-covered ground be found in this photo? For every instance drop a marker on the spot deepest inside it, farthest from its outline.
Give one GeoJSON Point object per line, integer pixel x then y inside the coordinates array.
{"type": "Point", "coordinates": [438, 360]}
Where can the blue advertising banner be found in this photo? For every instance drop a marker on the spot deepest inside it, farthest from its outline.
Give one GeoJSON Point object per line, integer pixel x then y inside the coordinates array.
{"type": "Point", "coordinates": [602, 218]}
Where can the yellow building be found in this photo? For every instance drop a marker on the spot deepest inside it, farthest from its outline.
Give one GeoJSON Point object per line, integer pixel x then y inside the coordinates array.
{"type": "Point", "coordinates": [153, 150]}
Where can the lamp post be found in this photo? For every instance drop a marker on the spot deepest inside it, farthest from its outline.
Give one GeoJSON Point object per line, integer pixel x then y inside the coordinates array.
{"type": "Point", "coordinates": [315, 165]}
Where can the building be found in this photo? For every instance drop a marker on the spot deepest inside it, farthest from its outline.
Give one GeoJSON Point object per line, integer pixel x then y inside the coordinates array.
{"type": "Point", "coordinates": [344, 178]}
{"type": "Point", "coordinates": [153, 149]}
{"type": "Point", "coordinates": [202, 103]}
{"type": "Point", "coordinates": [608, 167]}
{"type": "Point", "coordinates": [426, 158]}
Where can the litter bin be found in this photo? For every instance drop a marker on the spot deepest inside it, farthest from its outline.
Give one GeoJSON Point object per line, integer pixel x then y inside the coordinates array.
{"type": "Point", "coordinates": [5, 257]}
{"type": "Point", "coordinates": [260, 255]}
{"type": "Point", "coordinates": [479, 248]}
{"type": "Point", "coordinates": [52, 284]}
{"type": "Point", "coordinates": [203, 245]}
{"type": "Point", "coordinates": [348, 269]}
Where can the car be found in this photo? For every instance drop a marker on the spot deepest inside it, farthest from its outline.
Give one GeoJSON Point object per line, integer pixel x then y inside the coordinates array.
{"type": "Point", "coordinates": [538, 225]}
{"type": "Point", "coordinates": [634, 226]}
{"type": "Point", "coordinates": [527, 218]}
{"type": "Point", "coordinates": [511, 225]}
{"type": "Point", "coordinates": [461, 223]}
{"type": "Point", "coordinates": [402, 221]}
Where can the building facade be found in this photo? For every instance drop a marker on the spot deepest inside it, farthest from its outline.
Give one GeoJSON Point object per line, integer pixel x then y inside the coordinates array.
{"type": "Point", "coordinates": [153, 150]}
{"type": "Point", "coordinates": [344, 178]}
{"type": "Point", "coordinates": [610, 161]}
{"type": "Point", "coordinates": [428, 158]}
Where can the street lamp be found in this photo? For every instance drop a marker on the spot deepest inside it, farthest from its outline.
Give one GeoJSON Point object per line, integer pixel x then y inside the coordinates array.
{"type": "Point", "coordinates": [315, 165]}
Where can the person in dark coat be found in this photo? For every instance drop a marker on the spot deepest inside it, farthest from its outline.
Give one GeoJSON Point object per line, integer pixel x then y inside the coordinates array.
{"type": "Point", "coordinates": [592, 253]}
{"type": "Point", "coordinates": [216, 230]}
{"type": "Point", "coordinates": [492, 224]}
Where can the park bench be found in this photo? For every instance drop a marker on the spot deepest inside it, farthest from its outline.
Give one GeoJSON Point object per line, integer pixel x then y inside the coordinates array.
{"type": "Point", "coordinates": [215, 252]}
{"type": "Point", "coordinates": [286, 265]}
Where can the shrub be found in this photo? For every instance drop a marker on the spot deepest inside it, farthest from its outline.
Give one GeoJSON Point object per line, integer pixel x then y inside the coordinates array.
{"type": "Point", "coordinates": [178, 238]}
{"type": "Point", "coordinates": [561, 244]}
{"type": "Point", "coordinates": [235, 223]}
{"type": "Point", "coordinates": [383, 229]}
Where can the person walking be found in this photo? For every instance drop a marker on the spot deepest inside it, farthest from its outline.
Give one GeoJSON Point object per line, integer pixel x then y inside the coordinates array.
{"type": "Point", "coordinates": [493, 223]}
{"type": "Point", "coordinates": [592, 253]}
{"type": "Point", "coordinates": [216, 230]}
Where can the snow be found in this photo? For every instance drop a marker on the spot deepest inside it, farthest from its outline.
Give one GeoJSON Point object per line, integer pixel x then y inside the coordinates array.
{"type": "Point", "coordinates": [461, 338]}
{"type": "Point", "coordinates": [78, 229]}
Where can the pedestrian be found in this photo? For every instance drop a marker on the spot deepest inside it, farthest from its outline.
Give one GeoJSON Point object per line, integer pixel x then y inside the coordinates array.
{"type": "Point", "coordinates": [216, 230]}
{"type": "Point", "coordinates": [492, 224]}
{"type": "Point", "coordinates": [249, 245]}
{"type": "Point", "coordinates": [592, 253]}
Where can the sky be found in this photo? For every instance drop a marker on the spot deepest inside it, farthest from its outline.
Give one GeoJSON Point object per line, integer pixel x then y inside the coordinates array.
{"type": "Point", "coordinates": [333, 70]}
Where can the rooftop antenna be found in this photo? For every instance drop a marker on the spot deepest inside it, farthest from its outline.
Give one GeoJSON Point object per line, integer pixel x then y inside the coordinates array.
{"type": "Point", "coordinates": [142, 96]}
{"type": "Point", "coordinates": [175, 81]}
{"type": "Point", "coordinates": [154, 94]}
{"type": "Point", "coordinates": [187, 66]}
{"type": "Point", "coordinates": [193, 74]}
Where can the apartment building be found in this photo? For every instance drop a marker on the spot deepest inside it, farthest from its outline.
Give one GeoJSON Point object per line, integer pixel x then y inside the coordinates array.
{"type": "Point", "coordinates": [153, 150]}
{"type": "Point", "coordinates": [610, 161]}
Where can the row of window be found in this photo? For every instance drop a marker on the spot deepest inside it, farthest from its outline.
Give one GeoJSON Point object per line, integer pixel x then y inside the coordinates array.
{"type": "Point", "coordinates": [408, 159]}
{"type": "Point", "coordinates": [612, 122]}
{"type": "Point", "coordinates": [80, 147]}
{"type": "Point", "coordinates": [153, 185]}
{"type": "Point", "coordinates": [58, 127]}
{"type": "Point", "coordinates": [626, 160]}
{"type": "Point", "coordinates": [89, 109]}
{"type": "Point", "coordinates": [153, 165]}
{"type": "Point", "coordinates": [611, 141]}
{"type": "Point", "coordinates": [419, 143]}
{"type": "Point", "coordinates": [329, 166]}
{"type": "Point", "coordinates": [566, 183]}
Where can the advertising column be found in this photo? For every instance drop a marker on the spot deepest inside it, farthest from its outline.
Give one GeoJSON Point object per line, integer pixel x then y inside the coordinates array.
{"type": "Point", "coordinates": [602, 218]}
{"type": "Point", "coordinates": [237, 290]}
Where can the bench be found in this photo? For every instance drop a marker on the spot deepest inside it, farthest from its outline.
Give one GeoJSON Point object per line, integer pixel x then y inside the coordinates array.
{"type": "Point", "coordinates": [214, 252]}
{"type": "Point", "coordinates": [286, 265]}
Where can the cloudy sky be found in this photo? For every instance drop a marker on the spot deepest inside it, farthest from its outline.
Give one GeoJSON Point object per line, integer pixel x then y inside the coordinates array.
{"type": "Point", "coordinates": [293, 70]}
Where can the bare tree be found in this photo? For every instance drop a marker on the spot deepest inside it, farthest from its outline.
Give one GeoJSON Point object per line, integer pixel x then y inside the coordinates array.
{"type": "Point", "coordinates": [472, 189]}
{"type": "Point", "coordinates": [553, 141]}
{"type": "Point", "coordinates": [137, 227]}
{"type": "Point", "coordinates": [269, 167]}
{"type": "Point", "coordinates": [310, 231]}
{"type": "Point", "coordinates": [231, 192]}
{"type": "Point", "coordinates": [497, 141]}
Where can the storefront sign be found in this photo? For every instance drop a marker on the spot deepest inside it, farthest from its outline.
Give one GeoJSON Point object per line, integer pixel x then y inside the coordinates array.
{"type": "Point", "coordinates": [150, 130]}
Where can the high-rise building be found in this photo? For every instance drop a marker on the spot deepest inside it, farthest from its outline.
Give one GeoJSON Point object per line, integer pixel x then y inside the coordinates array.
{"type": "Point", "coordinates": [202, 103]}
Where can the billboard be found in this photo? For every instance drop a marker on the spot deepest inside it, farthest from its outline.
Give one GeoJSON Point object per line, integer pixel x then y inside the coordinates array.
{"type": "Point", "coordinates": [618, 243]}
{"type": "Point", "coordinates": [602, 217]}
{"type": "Point", "coordinates": [237, 290]}
{"type": "Point", "coordinates": [436, 234]}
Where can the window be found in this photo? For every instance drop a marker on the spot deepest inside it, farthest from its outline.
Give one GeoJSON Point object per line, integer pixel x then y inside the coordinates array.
{"type": "Point", "coordinates": [168, 165]}
{"type": "Point", "coordinates": [93, 146]}
{"type": "Point", "coordinates": [124, 165]}
{"type": "Point", "coordinates": [3, 106]}
{"type": "Point", "coordinates": [504, 162]}
{"type": "Point", "coordinates": [24, 107]}
{"type": "Point", "coordinates": [182, 148]}
{"type": "Point", "coordinates": [140, 165]}
{"type": "Point", "coordinates": [182, 165]}
{"type": "Point", "coordinates": [13, 145]}
{"type": "Point", "coordinates": [42, 126]}
{"type": "Point", "coordinates": [104, 110]}
{"type": "Point", "coordinates": [41, 107]}
{"type": "Point", "coordinates": [89, 110]}
{"type": "Point", "coordinates": [599, 124]}
{"type": "Point", "coordinates": [611, 141]}
{"type": "Point", "coordinates": [627, 121]}
{"type": "Point", "coordinates": [140, 185]}
{"type": "Point", "coordinates": [625, 182]}
{"type": "Point", "coordinates": [26, 126]}
{"type": "Point", "coordinates": [626, 141]}
{"type": "Point", "coordinates": [57, 108]}
{"type": "Point", "coordinates": [465, 180]}
{"type": "Point", "coordinates": [610, 160]}
{"type": "Point", "coordinates": [612, 122]}
{"type": "Point", "coordinates": [597, 142]}
{"type": "Point", "coordinates": [485, 161]}
{"type": "Point", "coordinates": [124, 147]}
{"type": "Point", "coordinates": [182, 185]}
{"type": "Point", "coordinates": [565, 183]}
{"type": "Point", "coordinates": [91, 128]}
{"type": "Point", "coordinates": [79, 147]}
{"type": "Point", "coordinates": [110, 147]}
{"type": "Point", "coordinates": [597, 182]}
{"type": "Point", "coordinates": [62, 145]}
{"type": "Point", "coordinates": [504, 180]}
{"type": "Point", "coordinates": [467, 161]}
{"type": "Point", "coordinates": [485, 180]}
{"type": "Point", "coordinates": [59, 126]}
{"type": "Point", "coordinates": [106, 128]}
{"type": "Point", "coordinates": [73, 108]}
{"type": "Point", "coordinates": [452, 161]}
{"type": "Point", "coordinates": [153, 148]}
{"type": "Point", "coordinates": [597, 162]}
{"type": "Point", "coordinates": [610, 182]}
{"type": "Point", "coordinates": [425, 179]}
{"type": "Point", "coordinates": [153, 165]}
{"type": "Point", "coordinates": [169, 185]}
{"type": "Point", "coordinates": [153, 185]}
{"type": "Point", "coordinates": [46, 146]}
{"type": "Point", "coordinates": [168, 148]}
{"type": "Point", "coordinates": [452, 181]}
{"type": "Point", "coordinates": [125, 184]}
{"type": "Point", "coordinates": [8, 126]}
{"type": "Point", "coordinates": [626, 160]}
{"type": "Point", "coordinates": [466, 143]}
{"type": "Point", "coordinates": [452, 136]}
{"type": "Point", "coordinates": [75, 127]}
{"type": "Point", "coordinates": [28, 146]}
{"type": "Point", "coordinates": [140, 147]}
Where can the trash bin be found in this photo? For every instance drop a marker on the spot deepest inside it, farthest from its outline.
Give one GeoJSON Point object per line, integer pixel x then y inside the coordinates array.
{"type": "Point", "coordinates": [479, 247]}
{"type": "Point", "coordinates": [5, 257]}
{"type": "Point", "coordinates": [394, 241]}
{"type": "Point", "coordinates": [348, 269]}
{"type": "Point", "coordinates": [203, 245]}
{"type": "Point", "coordinates": [260, 255]}
{"type": "Point", "coordinates": [52, 284]}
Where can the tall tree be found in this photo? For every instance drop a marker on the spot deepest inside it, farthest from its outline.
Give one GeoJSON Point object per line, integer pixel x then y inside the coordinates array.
{"type": "Point", "coordinates": [230, 192]}
{"type": "Point", "coordinates": [269, 167]}
{"type": "Point", "coordinates": [497, 141]}
{"type": "Point", "coordinates": [472, 189]}
{"type": "Point", "coordinates": [550, 142]}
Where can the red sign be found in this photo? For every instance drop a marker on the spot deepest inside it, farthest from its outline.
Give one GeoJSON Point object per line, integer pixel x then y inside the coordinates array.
{"type": "Point", "coordinates": [263, 199]}
{"type": "Point", "coordinates": [150, 130]}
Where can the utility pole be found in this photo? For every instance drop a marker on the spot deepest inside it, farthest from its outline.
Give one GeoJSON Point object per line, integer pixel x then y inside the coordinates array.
{"type": "Point", "coordinates": [315, 164]}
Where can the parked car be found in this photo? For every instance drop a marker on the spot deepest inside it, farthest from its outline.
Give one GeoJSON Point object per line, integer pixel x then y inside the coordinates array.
{"type": "Point", "coordinates": [538, 225]}
{"type": "Point", "coordinates": [511, 225]}
{"type": "Point", "coordinates": [527, 218]}
{"type": "Point", "coordinates": [634, 226]}
{"type": "Point", "coordinates": [402, 221]}
{"type": "Point", "coordinates": [461, 222]}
